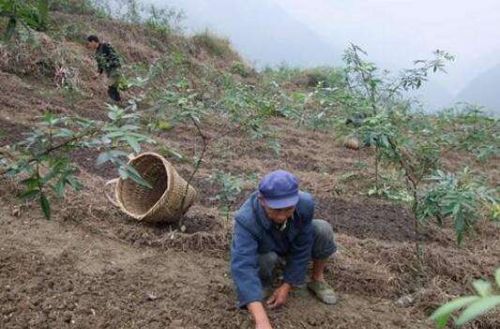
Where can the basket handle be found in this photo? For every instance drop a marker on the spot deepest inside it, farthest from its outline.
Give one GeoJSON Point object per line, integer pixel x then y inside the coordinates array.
{"type": "Point", "coordinates": [106, 192]}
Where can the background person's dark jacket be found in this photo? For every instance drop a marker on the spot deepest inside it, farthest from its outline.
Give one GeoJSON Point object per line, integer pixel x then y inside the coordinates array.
{"type": "Point", "coordinates": [254, 234]}
{"type": "Point", "coordinates": [107, 59]}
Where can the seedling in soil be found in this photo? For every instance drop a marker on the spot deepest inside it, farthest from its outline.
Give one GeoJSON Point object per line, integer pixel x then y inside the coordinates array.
{"type": "Point", "coordinates": [460, 197]}
{"type": "Point", "coordinates": [230, 187]}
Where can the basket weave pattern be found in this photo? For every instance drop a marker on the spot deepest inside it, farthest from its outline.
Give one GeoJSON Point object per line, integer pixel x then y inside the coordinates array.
{"type": "Point", "coordinates": [162, 203]}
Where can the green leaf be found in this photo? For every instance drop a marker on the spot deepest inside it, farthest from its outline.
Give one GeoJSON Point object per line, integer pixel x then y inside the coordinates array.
{"type": "Point", "coordinates": [164, 125]}
{"type": "Point", "coordinates": [65, 133]}
{"type": "Point", "coordinates": [442, 320]}
{"type": "Point", "coordinates": [442, 314]}
{"type": "Point", "coordinates": [129, 128]}
{"type": "Point", "coordinates": [112, 114]}
{"type": "Point", "coordinates": [122, 171]}
{"type": "Point", "coordinates": [112, 155]}
{"type": "Point", "coordinates": [103, 158]}
{"type": "Point", "coordinates": [29, 194]}
{"type": "Point", "coordinates": [44, 203]}
{"type": "Point", "coordinates": [171, 152]}
{"type": "Point", "coordinates": [84, 123]}
{"type": "Point", "coordinates": [383, 141]}
{"type": "Point", "coordinates": [477, 308]}
{"type": "Point", "coordinates": [497, 277]}
{"type": "Point", "coordinates": [117, 154]}
{"type": "Point", "coordinates": [43, 10]}
{"type": "Point", "coordinates": [134, 175]}
{"type": "Point", "coordinates": [31, 182]}
{"type": "Point", "coordinates": [74, 183]}
{"type": "Point", "coordinates": [133, 143]}
{"type": "Point", "coordinates": [50, 119]}
{"type": "Point", "coordinates": [59, 188]}
{"type": "Point", "coordinates": [115, 134]}
{"type": "Point", "coordinates": [482, 287]}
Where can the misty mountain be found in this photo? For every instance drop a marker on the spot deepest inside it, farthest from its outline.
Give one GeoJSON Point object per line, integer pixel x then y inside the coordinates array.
{"type": "Point", "coordinates": [260, 30]}
{"type": "Point", "coordinates": [272, 32]}
{"type": "Point", "coordinates": [484, 90]}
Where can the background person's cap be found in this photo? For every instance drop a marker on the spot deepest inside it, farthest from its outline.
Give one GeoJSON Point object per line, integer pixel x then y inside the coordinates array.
{"type": "Point", "coordinates": [280, 189]}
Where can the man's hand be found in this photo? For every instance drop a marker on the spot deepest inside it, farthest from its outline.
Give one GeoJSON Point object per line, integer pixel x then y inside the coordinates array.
{"type": "Point", "coordinates": [263, 326]}
{"type": "Point", "coordinates": [279, 296]}
{"type": "Point", "coordinates": [259, 315]}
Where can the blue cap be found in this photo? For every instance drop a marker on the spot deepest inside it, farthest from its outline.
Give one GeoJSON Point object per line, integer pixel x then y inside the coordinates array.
{"type": "Point", "coordinates": [280, 189]}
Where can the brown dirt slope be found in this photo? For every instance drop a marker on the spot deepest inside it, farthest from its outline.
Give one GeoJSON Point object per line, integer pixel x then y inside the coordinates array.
{"type": "Point", "coordinates": [91, 267]}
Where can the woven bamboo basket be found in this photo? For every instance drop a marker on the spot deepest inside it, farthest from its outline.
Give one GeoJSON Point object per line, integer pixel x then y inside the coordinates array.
{"type": "Point", "coordinates": [167, 201]}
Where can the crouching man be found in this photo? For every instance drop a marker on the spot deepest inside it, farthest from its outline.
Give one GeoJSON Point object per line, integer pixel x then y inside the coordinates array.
{"type": "Point", "coordinates": [275, 225]}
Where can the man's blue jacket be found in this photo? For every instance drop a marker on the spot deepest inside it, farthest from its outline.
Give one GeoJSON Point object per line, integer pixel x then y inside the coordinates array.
{"type": "Point", "coordinates": [255, 234]}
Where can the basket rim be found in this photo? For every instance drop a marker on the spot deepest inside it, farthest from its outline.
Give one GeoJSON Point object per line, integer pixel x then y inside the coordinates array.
{"type": "Point", "coordinates": [168, 168]}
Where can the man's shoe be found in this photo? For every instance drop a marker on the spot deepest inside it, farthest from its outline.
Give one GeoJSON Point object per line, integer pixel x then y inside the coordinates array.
{"type": "Point", "coordinates": [299, 291]}
{"type": "Point", "coordinates": [323, 291]}
{"type": "Point", "coordinates": [114, 94]}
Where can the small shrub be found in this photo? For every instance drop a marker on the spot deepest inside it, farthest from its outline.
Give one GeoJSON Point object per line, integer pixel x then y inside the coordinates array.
{"type": "Point", "coordinates": [80, 7]}
{"type": "Point", "coordinates": [39, 55]}
{"type": "Point", "coordinates": [230, 187]}
{"type": "Point", "coordinates": [215, 45]}
{"type": "Point", "coordinates": [32, 14]}
{"type": "Point", "coordinates": [460, 197]}
{"type": "Point", "coordinates": [163, 20]}
{"type": "Point", "coordinates": [240, 69]}
{"type": "Point", "coordinates": [76, 32]}
{"type": "Point", "coordinates": [30, 53]}
{"type": "Point", "coordinates": [319, 77]}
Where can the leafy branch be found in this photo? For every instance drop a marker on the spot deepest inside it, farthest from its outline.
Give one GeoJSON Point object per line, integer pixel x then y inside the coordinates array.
{"type": "Point", "coordinates": [473, 306]}
{"type": "Point", "coordinates": [43, 162]}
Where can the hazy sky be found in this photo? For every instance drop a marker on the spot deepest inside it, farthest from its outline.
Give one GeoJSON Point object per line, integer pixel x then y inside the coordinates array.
{"type": "Point", "coordinates": [396, 31]}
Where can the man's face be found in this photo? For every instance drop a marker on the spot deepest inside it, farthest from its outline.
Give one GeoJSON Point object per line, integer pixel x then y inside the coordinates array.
{"type": "Point", "coordinates": [278, 216]}
{"type": "Point", "coordinates": [92, 45]}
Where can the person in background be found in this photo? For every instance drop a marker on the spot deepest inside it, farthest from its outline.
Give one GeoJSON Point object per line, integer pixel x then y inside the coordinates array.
{"type": "Point", "coordinates": [108, 62]}
{"type": "Point", "coordinates": [275, 225]}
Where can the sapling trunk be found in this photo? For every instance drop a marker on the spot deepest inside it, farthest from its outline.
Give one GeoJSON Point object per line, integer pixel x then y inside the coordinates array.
{"type": "Point", "coordinates": [419, 247]}
{"type": "Point", "coordinates": [376, 166]}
